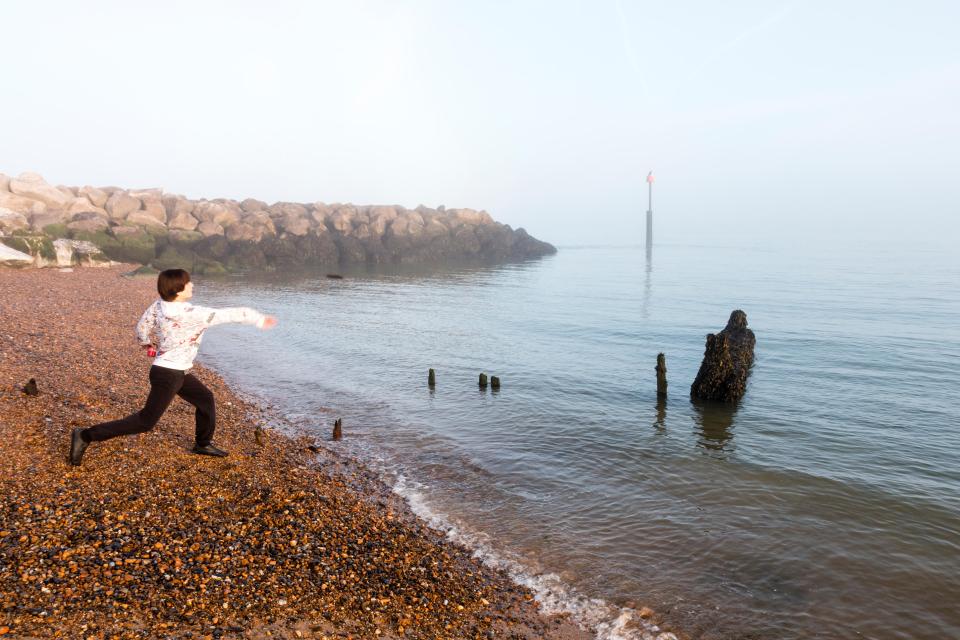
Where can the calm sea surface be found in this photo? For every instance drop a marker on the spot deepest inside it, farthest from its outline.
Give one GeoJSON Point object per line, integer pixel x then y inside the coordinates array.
{"type": "Point", "coordinates": [827, 504]}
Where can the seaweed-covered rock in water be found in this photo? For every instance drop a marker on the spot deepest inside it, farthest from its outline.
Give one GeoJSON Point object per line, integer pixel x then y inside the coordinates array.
{"type": "Point", "coordinates": [726, 362]}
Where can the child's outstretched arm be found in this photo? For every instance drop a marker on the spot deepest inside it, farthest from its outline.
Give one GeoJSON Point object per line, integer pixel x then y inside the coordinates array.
{"type": "Point", "coordinates": [210, 317]}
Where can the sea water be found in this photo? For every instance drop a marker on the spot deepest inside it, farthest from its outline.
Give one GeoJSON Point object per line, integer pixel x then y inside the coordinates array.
{"type": "Point", "coordinates": [825, 504]}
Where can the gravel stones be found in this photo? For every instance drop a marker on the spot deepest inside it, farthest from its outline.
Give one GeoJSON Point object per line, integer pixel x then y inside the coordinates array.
{"type": "Point", "coordinates": [146, 540]}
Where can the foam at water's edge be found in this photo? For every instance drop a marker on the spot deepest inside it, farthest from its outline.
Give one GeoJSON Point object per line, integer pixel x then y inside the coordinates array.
{"type": "Point", "coordinates": [607, 621]}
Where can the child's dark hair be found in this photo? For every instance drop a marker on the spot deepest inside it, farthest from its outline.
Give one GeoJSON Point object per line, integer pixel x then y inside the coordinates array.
{"type": "Point", "coordinates": [171, 282]}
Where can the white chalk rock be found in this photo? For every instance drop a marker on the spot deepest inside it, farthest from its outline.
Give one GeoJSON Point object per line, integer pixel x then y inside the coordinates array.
{"type": "Point", "coordinates": [13, 258]}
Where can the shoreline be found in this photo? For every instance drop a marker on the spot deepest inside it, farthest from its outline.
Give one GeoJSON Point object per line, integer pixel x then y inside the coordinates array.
{"type": "Point", "coordinates": [147, 540]}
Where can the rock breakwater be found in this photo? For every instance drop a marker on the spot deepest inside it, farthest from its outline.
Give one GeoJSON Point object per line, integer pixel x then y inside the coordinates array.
{"type": "Point", "coordinates": [151, 226]}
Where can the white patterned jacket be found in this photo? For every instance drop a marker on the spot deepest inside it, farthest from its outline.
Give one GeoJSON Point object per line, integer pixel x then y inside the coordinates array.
{"type": "Point", "coordinates": [176, 329]}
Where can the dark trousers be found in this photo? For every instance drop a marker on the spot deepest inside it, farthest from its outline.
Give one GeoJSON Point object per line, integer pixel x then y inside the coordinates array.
{"type": "Point", "coordinates": [164, 385]}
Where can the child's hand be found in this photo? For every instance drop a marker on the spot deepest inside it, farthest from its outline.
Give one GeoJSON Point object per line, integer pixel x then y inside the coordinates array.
{"type": "Point", "coordinates": [269, 322]}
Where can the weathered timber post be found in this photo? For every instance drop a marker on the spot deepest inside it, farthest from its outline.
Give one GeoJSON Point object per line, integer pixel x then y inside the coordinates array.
{"type": "Point", "coordinates": [338, 429]}
{"type": "Point", "coordinates": [661, 370]}
{"type": "Point", "coordinates": [483, 381]}
{"type": "Point", "coordinates": [495, 383]}
{"type": "Point", "coordinates": [432, 378]}
{"type": "Point", "coordinates": [30, 388]}
{"type": "Point", "coordinates": [258, 435]}
{"type": "Point", "coordinates": [726, 362]}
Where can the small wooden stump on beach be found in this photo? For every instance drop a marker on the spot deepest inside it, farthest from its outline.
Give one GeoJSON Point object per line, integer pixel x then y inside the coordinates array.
{"type": "Point", "coordinates": [338, 429]}
{"type": "Point", "coordinates": [432, 378]}
{"type": "Point", "coordinates": [259, 436]}
{"type": "Point", "coordinates": [483, 381]}
{"type": "Point", "coordinates": [31, 388]}
{"type": "Point", "coordinates": [661, 370]}
{"type": "Point", "coordinates": [495, 383]}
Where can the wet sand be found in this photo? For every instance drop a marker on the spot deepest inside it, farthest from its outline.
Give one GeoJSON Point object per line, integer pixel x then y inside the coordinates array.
{"type": "Point", "coordinates": [146, 540]}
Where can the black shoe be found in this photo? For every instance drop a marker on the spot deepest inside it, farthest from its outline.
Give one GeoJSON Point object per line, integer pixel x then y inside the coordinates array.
{"type": "Point", "coordinates": [208, 450]}
{"type": "Point", "coordinates": [77, 447]}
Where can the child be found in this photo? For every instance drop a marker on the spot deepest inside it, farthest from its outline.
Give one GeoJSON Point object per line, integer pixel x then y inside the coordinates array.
{"type": "Point", "coordinates": [172, 328]}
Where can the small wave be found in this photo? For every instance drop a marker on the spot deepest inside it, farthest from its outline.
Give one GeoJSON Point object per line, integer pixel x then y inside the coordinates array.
{"type": "Point", "coordinates": [605, 620]}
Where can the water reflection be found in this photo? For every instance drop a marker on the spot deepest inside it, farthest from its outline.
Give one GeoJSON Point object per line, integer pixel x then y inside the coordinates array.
{"type": "Point", "coordinates": [714, 422]}
{"type": "Point", "coordinates": [311, 278]}
{"type": "Point", "coordinates": [661, 423]}
{"type": "Point", "coordinates": [645, 305]}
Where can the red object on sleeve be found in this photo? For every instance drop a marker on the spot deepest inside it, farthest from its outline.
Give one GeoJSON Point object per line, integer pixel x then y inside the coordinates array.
{"type": "Point", "coordinates": [151, 352]}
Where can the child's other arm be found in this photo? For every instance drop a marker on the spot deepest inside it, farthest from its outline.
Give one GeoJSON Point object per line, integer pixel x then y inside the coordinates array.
{"type": "Point", "coordinates": [147, 325]}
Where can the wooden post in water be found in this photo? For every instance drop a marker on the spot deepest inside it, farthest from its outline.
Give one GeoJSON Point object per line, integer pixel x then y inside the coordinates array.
{"type": "Point", "coordinates": [338, 429]}
{"type": "Point", "coordinates": [661, 370]}
{"type": "Point", "coordinates": [495, 383]}
{"type": "Point", "coordinates": [483, 381]}
{"type": "Point", "coordinates": [432, 378]}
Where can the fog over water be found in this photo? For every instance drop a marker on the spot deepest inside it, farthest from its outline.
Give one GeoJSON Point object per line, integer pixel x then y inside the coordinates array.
{"type": "Point", "coordinates": [764, 122]}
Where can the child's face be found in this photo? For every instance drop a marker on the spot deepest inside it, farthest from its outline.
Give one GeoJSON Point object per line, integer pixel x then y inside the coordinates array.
{"type": "Point", "coordinates": [186, 294]}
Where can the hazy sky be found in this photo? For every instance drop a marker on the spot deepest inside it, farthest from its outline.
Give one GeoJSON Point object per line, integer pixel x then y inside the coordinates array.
{"type": "Point", "coordinates": [761, 120]}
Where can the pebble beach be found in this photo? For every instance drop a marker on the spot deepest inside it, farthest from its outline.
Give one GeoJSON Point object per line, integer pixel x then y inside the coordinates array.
{"type": "Point", "coordinates": [284, 538]}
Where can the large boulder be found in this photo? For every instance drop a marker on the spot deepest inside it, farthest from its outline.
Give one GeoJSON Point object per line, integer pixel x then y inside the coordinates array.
{"type": "Point", "coordinates": [90, 224]}
{"type": "Point", "coordinates": [216, 212]}
{"type": "Point", "coordinates": [10, 257]}
{"type": "Point", "coordinates": [176, 205]}
{"type": "Point", "coordinates": [32, 185]}
{"type": "Point", "coordinates": [320, 212]}
{"type": "Point", "coordinates": [121, 204]}
{"type": "Point", "coordinates": [286, 209]}
{"type": "Point", "coordinates": [726, 362]}
{"type": "Point", "coordinates": [83, 205]}
{"type": "Point", "coordinates": [407, 225]}
{"type": "Point", "coordinates": [151, 204]}
{"type": "Point", "coordinates": [435, 229]}
{"type": "Point", "coordinates": [40, 221]}
{"type": "Point", "coordinates": [183, 221]}
{"type": "Point", "coordinates": [294, 224]}
{"type": "Point", "coordinates": [148, 219]}
{"type": "Point", "coordinates": [466, 216]}
{"type": "Point", "coordinates": [77, 252]}
{"type": "Point", "coordinates": [250, 205]}
{"type": "Point", "coordinates": [342, 218]}
{"type": "Point", "coordinates": [208, 228]}
{"type": "Point", "coordinates": [21, 204]}
{"type": "Point", "coordinates": [97, 196]}
{"type": "Point", "coordinates": [11, 221]}
{"type": "Point", "coordinates": [4, 182]}
{"type": "Point", "coordinates": [351, 249]}
{"type": "Point", "coordinates": [243, 232]}
{"type": "Point", "coordinates": [146, 194]}
{"type": "Point", "coordinates": [129, 244]}
{"type": "Point", "coordinates": [259, 218]}
{"type": "Point", "coordinates": [184, 237]}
